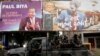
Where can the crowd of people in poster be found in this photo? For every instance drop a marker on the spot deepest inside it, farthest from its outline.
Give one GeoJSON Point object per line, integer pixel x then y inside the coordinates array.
{"type": "Point", "coordinates": [69, 15]}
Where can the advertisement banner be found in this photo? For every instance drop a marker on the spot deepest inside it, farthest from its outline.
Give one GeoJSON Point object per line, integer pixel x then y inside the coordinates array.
{"type": "Point", "coordinates": [72, 15]}
{"type": "Point", "coordinates": [17, 16]}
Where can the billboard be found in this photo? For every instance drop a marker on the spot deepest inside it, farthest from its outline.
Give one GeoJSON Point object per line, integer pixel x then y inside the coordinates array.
{"type": "Point", "coordinates": [16, 16]}
{"type": "Point", "coordinates": [53, 15]}
{"type": "Point", "coordinates": [72, 15]}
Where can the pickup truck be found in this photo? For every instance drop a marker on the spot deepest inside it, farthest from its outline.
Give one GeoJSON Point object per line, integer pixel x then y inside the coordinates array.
{"type": "Point", "coordinates": [41, 46]}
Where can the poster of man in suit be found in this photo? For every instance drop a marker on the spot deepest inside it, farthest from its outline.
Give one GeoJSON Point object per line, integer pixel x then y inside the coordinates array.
{"type": "Point", "coordinates": [30, 22]}
{"type": "Point", "coordinates": [21, 16]}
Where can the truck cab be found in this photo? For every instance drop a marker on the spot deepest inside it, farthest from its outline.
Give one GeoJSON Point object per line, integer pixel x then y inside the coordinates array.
{"type": "Point", "coordinates": [37, 46]}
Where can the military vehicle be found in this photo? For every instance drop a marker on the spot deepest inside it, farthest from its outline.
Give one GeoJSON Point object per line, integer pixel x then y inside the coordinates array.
{"type": "Point", "coordinates": [43, 46]}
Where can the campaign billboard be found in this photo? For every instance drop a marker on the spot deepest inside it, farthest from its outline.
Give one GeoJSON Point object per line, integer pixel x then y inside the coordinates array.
{"type": "Point", "coordinates": [15, 16]}
{"type": "Point", "coordinates": [72, 15]}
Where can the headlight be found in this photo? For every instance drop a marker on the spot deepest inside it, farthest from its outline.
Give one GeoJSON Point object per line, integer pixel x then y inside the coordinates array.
{"type": "Point", "coordinates": [25, 45]}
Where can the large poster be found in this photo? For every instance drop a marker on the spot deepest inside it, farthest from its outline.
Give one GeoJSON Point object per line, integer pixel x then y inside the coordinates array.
{"type": "Point", "coordinates": [73, 15]}
{"type": "Point", "coordinates": [53, 15]}
{"type": "Point", "coordinates": [17, 16]}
